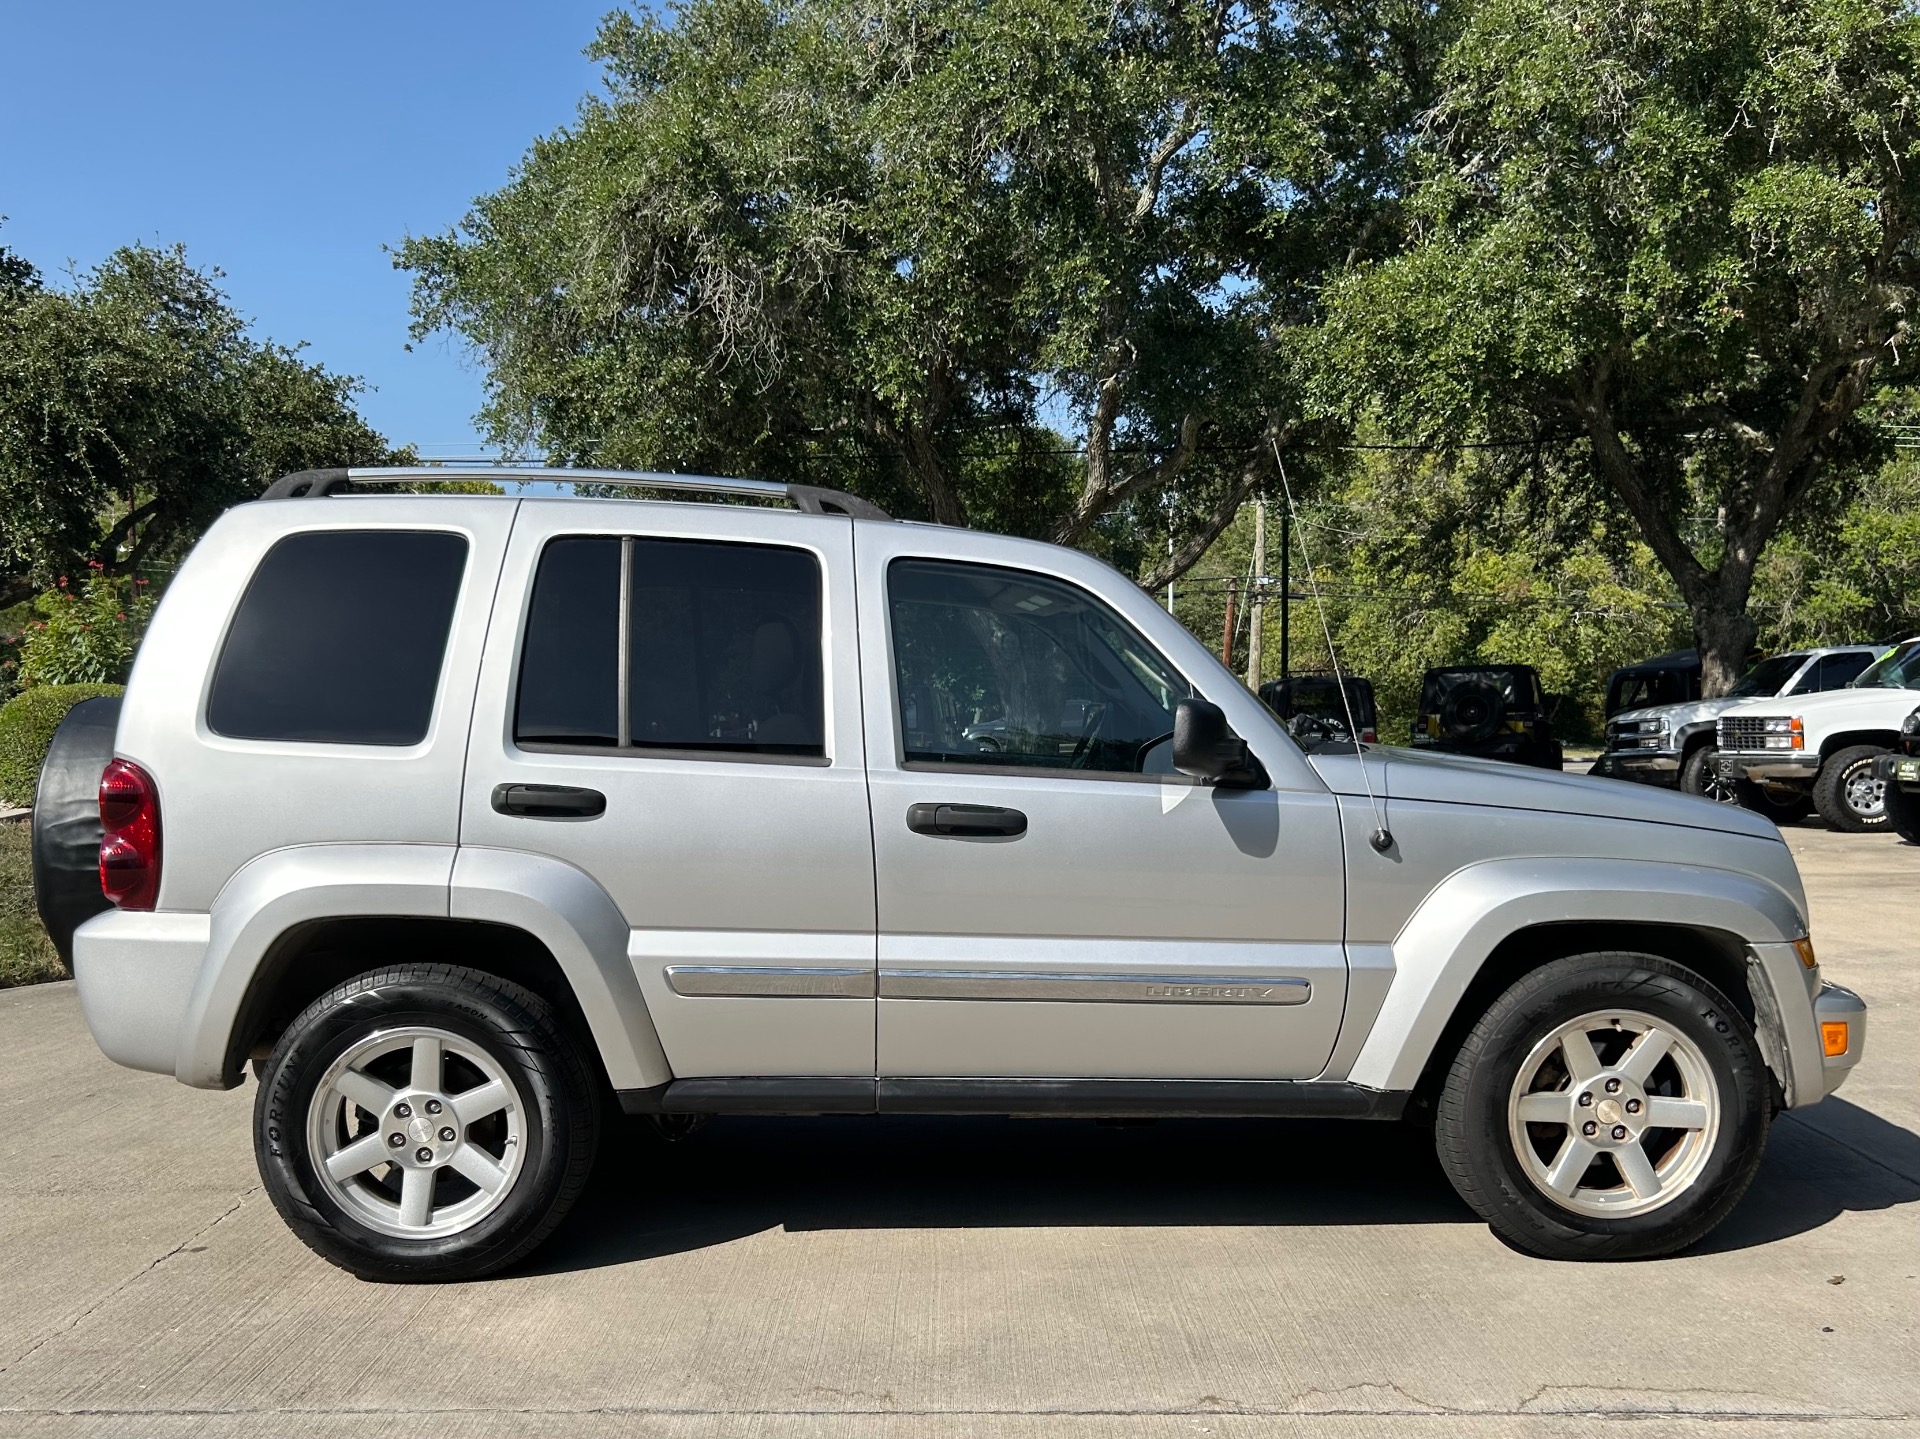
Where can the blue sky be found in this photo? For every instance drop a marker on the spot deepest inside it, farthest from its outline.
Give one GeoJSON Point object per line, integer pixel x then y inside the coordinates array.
{"type": "Point", "coordinates": [286, 145]}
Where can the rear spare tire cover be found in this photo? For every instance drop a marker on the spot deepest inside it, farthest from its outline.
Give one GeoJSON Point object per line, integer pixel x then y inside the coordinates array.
{"type": "Point", "coordinates": [66, 821]}
{"type": "Point", "coordinates": [1472, 712]}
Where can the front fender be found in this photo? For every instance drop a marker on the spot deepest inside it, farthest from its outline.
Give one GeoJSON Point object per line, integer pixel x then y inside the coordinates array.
{"type": "Point", "coordinates": [272, 894]}
{"type": "Point", "coordinates": [1446, 940]}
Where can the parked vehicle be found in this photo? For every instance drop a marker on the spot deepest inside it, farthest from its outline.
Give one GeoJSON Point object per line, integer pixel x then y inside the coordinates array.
{"type": "Point", "coordinates": [451, 814]}
{"type": "Point", "coordinates": [1674, 744]}
{"type": "Point", "coordinates": [1899, 773]}
{"type": "Point", "coordinates": [1663, 680]}
{"type": "Point", "coordinates": [1493, 711]}
{"type": "Point", "coordinates": [1822, 747]}
{"type": "Point", "coordinates": [1316, 706]}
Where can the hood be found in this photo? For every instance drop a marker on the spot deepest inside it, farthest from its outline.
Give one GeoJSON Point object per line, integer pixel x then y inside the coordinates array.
{"type": "Point", "coordinates": [1899, 702]}
{"type": "Point", "coordinates": [1683, 712]}
{"type": "Point", "coordinates": [1461, 779]}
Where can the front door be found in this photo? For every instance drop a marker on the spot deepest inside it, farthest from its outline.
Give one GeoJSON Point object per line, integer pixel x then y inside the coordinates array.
{"type": "Point", "coordinates": [1053, 900]}
{"type": "Point", "coordinates": [693, 668]}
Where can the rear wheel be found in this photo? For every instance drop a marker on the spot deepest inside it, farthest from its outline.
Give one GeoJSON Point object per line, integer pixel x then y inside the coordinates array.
{"type": "Point", "coordinates": [425, 1122]}
{"type": "Point", "coordinates": [1847, 793]}
{"type": "Point", "coordinates": [1607, 1106]}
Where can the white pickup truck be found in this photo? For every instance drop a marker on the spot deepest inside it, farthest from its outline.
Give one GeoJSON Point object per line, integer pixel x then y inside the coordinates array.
{"type": "Point", "coordinates": [1785, 750]}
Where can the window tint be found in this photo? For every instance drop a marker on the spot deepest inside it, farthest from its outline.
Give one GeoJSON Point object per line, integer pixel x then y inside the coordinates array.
{"type": "Point", "coordinates": [339, 639]}
{"type": "Point", "coordinates": [723, 647]}
{"type": "Point", "coordinates": [570, 668]}
{"type": "Point", "coordinates": [1839, 671]}
{"type": "Point", "coordinates": [1000, 667]}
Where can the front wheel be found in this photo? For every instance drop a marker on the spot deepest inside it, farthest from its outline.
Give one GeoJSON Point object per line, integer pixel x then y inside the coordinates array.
{"type": "Point", "coordinates": [1848, 794]}
{"type": "Point", "coordinates": [1607, 1106]}
{"type": "Point", "coordinates": [425, 1122]}
{"type": "Point", "coordinates": [1699, 775]}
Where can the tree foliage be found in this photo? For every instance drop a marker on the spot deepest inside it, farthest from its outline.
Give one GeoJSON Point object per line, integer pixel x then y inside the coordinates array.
{"type": "Point", "coordinates": [135, 407]}
{"type": "Point", "coordinates": [1671, 242]}
{"type": "Point", "coordinates": [1019, 263]}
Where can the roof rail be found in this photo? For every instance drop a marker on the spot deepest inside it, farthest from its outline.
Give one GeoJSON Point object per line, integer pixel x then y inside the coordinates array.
{"type": "Point", "coordinates": [810, 499]}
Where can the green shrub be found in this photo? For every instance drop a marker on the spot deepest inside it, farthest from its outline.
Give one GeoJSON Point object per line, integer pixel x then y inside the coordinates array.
{"type": "Point", "coordinates": [26, 954]}
{"type": "Point", "coordinates": [85, 633]}
{"type": "Point", "coordinates": [27, 723]}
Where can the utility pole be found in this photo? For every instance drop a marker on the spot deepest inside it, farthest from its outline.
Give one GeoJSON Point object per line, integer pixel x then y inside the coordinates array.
{"type": "Point", "coordinates": [1258, 597]}
{"type": "Point", "coordinates": [1286, 590]}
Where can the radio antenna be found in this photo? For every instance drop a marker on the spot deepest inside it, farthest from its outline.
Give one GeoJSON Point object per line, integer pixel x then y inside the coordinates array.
{"type": "Point", "coordinates": [1382, 838]}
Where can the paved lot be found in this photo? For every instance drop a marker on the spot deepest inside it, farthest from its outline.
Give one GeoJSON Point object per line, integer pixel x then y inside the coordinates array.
{"type": "Point", "coordinates": [1012, 1279]}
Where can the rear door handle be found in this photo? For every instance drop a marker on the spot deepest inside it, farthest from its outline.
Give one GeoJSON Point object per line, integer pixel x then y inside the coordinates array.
{"type": "Point", "coordinates": [965, 819]}
{"type": "Point", "coordinates": [548, 801]}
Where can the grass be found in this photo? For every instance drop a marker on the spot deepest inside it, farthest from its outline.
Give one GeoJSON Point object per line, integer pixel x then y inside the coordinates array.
{"type": "Point", "coordinates": [26, 954]}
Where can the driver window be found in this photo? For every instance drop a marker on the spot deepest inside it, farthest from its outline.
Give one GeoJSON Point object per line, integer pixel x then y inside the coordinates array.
{"type": "Point", "coordinates": [1003, 668]}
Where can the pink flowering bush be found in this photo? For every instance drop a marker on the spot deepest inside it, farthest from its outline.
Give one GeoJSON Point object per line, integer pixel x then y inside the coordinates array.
{"type": "Point", "coordinates": [86, 632]}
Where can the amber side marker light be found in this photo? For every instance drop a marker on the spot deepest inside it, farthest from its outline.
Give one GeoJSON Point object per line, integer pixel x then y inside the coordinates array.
{"type": "Point", "coordinates": [1804, 948]}
{"type": "Point", "coordinates": [1833, 1036]}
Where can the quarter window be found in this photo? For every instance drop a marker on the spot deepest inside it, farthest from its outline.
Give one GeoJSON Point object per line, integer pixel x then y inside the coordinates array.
{"type": "Point", "coordinates": [722, 646]}
{"type": "Point", "coordinates": [998, 667]}
{"type": "Point", "coordinates": [340, 638]}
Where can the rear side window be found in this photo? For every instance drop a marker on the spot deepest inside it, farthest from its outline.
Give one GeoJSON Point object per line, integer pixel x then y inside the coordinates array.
{"type": "Point", "coordinates": [339, 639]}
{"type": "Point", "coordinates": [721, 642]}
{"type": "Point", "coordinates": [1839, 671]}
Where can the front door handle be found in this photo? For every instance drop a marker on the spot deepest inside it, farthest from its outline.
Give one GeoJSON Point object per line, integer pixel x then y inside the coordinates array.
{"type": "Point", "coordinates": [548, 801]}
{"type": "Point", "coordinates": [965, 819]}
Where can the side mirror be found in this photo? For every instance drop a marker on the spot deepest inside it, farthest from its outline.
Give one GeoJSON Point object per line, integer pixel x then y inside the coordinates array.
{"type": "Point", "coordinates": [1205, 748]}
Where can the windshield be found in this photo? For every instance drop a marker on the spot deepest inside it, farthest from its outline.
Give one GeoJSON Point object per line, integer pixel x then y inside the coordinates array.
{"type": "Point", "coordinates": [1768, 677]}
{"type": "Point", "coordinates": [1897, 669]}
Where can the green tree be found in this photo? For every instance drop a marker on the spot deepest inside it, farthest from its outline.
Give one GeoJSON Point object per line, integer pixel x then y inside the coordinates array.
{"type": "Point", "coordinates": [922, 249]}
{"type": "Point", "coordinates": [1673, 244]}
{"type": "Point", "coordinates": [135, 407]}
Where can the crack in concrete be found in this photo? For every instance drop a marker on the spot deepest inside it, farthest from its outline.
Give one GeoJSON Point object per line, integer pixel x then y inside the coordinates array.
{"type": "Point", "coordinates": [123, 1286]}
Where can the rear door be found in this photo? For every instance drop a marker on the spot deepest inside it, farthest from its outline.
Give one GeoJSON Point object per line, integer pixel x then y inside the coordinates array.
{"type": "Point", "coordinates": [1053, 900]}
{"type": "Point", "coordinates": [693, 666]}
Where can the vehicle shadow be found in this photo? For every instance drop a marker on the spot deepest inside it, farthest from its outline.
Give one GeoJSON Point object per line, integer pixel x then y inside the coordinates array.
{"type": "Point", "coordinates": [744, 1176]}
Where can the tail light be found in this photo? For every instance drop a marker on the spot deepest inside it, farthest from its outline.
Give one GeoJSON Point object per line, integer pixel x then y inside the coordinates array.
{"type": "Point", "coordinates": [1369, 735]}
{"type": "Point", "coordinates": [130, 843]}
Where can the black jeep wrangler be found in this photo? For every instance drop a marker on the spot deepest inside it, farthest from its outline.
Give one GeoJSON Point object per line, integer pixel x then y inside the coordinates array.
{"type": "Point", "coordinates": [1494, 711]}
{"type": "Point", "coordinates": [1312, 706]}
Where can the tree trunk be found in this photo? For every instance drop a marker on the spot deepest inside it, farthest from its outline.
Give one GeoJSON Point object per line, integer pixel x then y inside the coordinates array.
{"type": "Point", "coordinates": [1725, 633]}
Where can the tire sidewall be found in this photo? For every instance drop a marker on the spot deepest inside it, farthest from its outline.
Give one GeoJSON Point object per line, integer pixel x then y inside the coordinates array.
{"type": "Point", "coordinates": [1476, 1098]}
{"type": "Point", "coordinates": [1830, 790]}
{"type": "Point", "coordinates": [338, 1021]}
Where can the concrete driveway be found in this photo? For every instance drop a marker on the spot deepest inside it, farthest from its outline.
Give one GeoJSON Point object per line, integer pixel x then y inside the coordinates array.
{"type": "Point", "coordinates": [1014, 1279]}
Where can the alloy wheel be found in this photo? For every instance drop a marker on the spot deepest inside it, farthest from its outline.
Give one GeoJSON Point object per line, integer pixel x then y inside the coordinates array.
{"type": "Point", "coordinates": [416, 1132]}
{"type": "Point", "coordinates": [1614, 1114]}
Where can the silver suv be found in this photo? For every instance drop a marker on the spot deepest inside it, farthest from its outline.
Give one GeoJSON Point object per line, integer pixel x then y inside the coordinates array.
{"type": "Point", "coordinates": [464, 818]}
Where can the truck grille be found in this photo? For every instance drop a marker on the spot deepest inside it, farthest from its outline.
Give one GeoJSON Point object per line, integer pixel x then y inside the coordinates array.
{"type": "Point", "coordinates": [1743, 732]}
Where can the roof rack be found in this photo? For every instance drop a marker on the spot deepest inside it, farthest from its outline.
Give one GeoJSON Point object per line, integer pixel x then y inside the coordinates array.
{"type": "Point", "coordinates": [810, 499]}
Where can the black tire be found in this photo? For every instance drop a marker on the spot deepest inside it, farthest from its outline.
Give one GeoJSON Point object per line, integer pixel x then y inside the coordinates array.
{"type": "Point", "coordinates": [1699, 778]}
{"type": "Point", "coordinates": [1473, 712]}
{"type": "Point", "coordinates": [1903, 813]}
{"type": "Point", "coordinates": [1780, 806]}
{"type": "Point", "coordinates": [518, 1031]}
{"type": "Point", "coordinates": [1838, 783]}
{"type": "Point", "coordinates": [66, 821]}
{"type": "Point", "coordinates": [1471, 1123]}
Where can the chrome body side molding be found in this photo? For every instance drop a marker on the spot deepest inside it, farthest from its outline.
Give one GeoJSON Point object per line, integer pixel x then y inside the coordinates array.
{"type": "Point", "coordinates": [1094, 988]}
{"type": "Point", "coordinates": [770, 982]}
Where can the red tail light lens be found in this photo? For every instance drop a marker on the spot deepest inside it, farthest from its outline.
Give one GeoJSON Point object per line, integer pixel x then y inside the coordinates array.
{"type": "Point", "coordinates": [130, 844]}
{"type": "Point", "coordinates": [1368, 736]}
